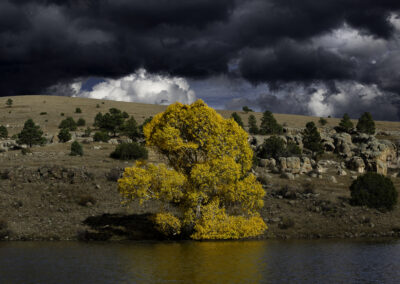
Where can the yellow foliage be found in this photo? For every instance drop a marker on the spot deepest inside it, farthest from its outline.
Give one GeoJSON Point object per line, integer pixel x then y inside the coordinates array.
{"type": "Point", "coordinates": [216, 224]}
{"type": "Point", "coordinates": [210, 159]}
{"type": "Point", "coordinates": [148, 181]}
{"type": "Point", "coordinates": [167, 224]}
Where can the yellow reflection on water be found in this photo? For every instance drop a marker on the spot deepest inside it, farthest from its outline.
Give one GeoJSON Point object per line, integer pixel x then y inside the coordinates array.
{"type": "Point", "coordinates": [196, 262]}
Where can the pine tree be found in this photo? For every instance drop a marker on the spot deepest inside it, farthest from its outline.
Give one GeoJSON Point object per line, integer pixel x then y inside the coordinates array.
{"type": "Point", "coordinates": [253, 128]}
{"type": "Point", "coordinates": [312, 139]}
{"type": "Point", "coordinates": [345, 124]}
{"type": "Point", "coordinates": [237, 118]}
{"type": "Point", "coordinates": [31, 134]}
{"type": "Point", "coordinates": [3, 132]}
{"type": "Point", "coordinates": [366, 124]}
{"type": "Point", "coordinates": [130, 129]}
{"type": "Point", "coordinates": [269, 125]}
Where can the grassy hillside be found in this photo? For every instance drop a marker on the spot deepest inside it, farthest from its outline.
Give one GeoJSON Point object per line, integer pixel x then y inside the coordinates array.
{"type": "Point", "coordinates": [31, 106]}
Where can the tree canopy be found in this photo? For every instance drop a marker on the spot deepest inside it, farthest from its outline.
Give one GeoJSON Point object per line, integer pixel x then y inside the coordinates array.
{"type": "Point", "coordinates": [345, 124]}
{"type": "Point", "coordinates": [366, 124]}
{"type": "Point", "coordinates": [269, 125]}
{"type": "Point", "coordinates": [312, 139]}
{"type": "Point", "coordinates": [253, 128]}
{"type": "Point", "coordinates": [112, 121]}
{"type": "Point", "coordinates": [207, 175]}
{"type": "Point", "coordinates": [31, 134]}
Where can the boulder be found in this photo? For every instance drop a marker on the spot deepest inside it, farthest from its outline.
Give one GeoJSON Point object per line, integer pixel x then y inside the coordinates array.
{"type": "Point", "coordinates": [381, 167]}
{"type": "Point", "coordinates": [288, 176]}
{"type": "Point", "coordinates": [293, 164]}
{"type": "Point", "coordinates": [113, 141]}
{"type": "Point", "coordinates": [306, 166]}
{"type": "Point", "coordinates": [264, 163]}
{"type": "Point", "coordinates": [357, 164]}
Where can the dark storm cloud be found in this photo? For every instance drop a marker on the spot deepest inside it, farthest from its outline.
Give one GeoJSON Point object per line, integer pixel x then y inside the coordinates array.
{"type": "Point", "coordinates": [49, 42]}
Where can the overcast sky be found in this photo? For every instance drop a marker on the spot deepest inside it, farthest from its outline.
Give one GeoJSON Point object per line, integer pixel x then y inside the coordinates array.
{"type": "Point", "coordinates": [307, 56]}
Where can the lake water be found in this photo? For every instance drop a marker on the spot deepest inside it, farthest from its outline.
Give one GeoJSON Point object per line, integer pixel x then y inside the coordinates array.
{"type": "Point", "coordinates": [201, 262]}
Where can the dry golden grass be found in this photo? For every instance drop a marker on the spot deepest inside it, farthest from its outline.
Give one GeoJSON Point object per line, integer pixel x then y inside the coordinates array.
{"type": "Point", "coordinates": [25, 107]}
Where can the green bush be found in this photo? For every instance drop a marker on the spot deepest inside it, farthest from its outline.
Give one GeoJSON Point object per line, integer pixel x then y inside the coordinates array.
{"type": "Point", "coordinates": [373, 190]}
{"type": "Point", "coordinates": [78, 110]}
{"type": "Point", "coordinates": [129, 151]}
{"type": "Point", "coordinates": [68, 123]}
{"type": "Point", "coordinates": [76, 149]}
{"type": "Point", "coordinates": [3, 131]}
{"type": "Point", "coordinates": [62, 114]}
{"type": "Point", "coordinates": [366, 124]}
{"type": "Point", "coordinates": [292, 149]}
{"type": "Point", "coordinates": [246, 109]}
{"type": "Point", "coordinates": [322, 121]}
{"type": "Point", "coordinates": [101, 137]}
{"type": "Point", "coordinates": [9, 102]}
{"type": "Point", "coordinates": [88, 131]}
{"type": "Point", "coordinates": [273, 147]}
{"type": "Point", "coordinates": [43, 113]}
{"type": "Point", "coordinates": [81, 122]}
{"type": "Point", "coordinates": [64, 135]}
{"type": "Point", "coordinates": [97, 106]}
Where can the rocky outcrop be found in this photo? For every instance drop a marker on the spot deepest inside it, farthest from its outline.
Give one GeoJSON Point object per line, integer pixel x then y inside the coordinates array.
{"type": "Point", "coordinates": [356, 164]}
{"type": "Point", "coordinates": [9, 144]}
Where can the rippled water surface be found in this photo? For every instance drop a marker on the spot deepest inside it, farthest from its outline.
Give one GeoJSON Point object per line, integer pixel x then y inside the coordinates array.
{"type": "Point", "coordinates": [201, 262]}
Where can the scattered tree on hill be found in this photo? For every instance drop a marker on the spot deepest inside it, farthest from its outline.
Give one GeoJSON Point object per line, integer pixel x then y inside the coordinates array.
{"type": "Point", "coordinates": [274, 147]}
{"type": "Point", "coordinates": [208, 172]}
{"type": "Point", "coordinates": [129, 151]}
{"type": "Point", "coordinates": [322, 121]}
{"type": "Point", "coordinates": [76, 149]}
{"type": "Point", "coordinates": [112, 121]}
{"type": "Point", "coordinates": [31, 134]}
{"type": "Point", "coordinates": [64, 135]}
{"type": "Point", "coordinates": [238, 119]}
{"type": "Point", "coordinates": [9, 102]}
{"type": "Point", "coordinates": [81, 122]}
{"type": "Point", "coordinates": [373, 190]}
{"type": "Point", "coordinates": [269, 125]}
{"type": "Point", "coordinates": [3, 131]}
{"type": "Point", "coordinates": [78, 110]}
{"type": "Point", "coordinates": [246, 109]}
{"type": "Point", "coordinates": [101, 136]}
{"type": "Point", "coordinates": [366, 124]}
{"type": "Point", "coordinates": [253, 128]}
{"type": "Point", "coordinates": [312, 139]}
{"type": "Point", "coordinates": [88, 131]}
{"type": "Point", "coordinates": [68, 123]}
{"type": "Point", "coordinates": [130, 129]}
{"type": "Point", "coordinates": [345, 124]}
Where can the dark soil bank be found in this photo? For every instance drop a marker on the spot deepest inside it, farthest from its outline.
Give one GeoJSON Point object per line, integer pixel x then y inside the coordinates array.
{"type": "Point", "coordinates": [68, 203]}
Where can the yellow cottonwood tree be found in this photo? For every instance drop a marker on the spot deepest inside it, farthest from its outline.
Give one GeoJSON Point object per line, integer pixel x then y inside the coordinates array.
{"type": "Point", "coordinates": [206, 188]}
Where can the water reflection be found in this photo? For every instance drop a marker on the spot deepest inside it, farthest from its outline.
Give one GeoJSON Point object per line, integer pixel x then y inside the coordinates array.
{"type": "Point", "coordinates": [205, 262]}
{"type": "Point", "coordinates": [200, 262]}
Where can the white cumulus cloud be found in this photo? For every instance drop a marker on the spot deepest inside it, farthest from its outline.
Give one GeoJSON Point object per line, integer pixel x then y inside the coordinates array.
{"type": "Point", "coordinates": [141, 87]}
